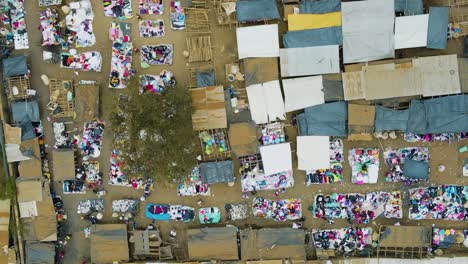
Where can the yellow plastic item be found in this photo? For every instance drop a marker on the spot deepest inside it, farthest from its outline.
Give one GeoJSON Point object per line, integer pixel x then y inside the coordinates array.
{"type": "Point", "coordinates": [313, 21]}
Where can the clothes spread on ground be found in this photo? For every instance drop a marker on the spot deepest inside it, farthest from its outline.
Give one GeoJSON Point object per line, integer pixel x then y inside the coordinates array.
{"type": "Point", "coordinates": [273, 133]}
{"type": "Point", "coordinates": [116, 174]}
{"type": "Point", "coordinates": [447, 202]}
{"type": "Point", "coordinates": [89, 206]}
{"type": "Point", "coordinates": [167, 212]}
{"type": "Point", "coordinates": [121, 9]}
{"type": "Point", "coordinates": [332, 174]}
{"type": "Point", "coordinates": [278, 210]}
{"type": "Point", "coordinates": [210, 215]}
{"type": "Point", "coordinates": [49, 2]}
{"type": "Point", "coordinates": [86, 61]}
{"type": "Point", "coordinates": [445, 238]}
{"type": "Point", "coordinates": [73, 186]}
{"type": "Point", "coordinates": [177, 16]}
{"type": "Point", "coordinates": [121, 60]}
{"type": "Point", "coordinates": [80, 22]}
{"type": "Point", "coordinates": [151, 7]}
{"type": "Point", "coordinates": [18, 24]}
{"type": "Point", "coordinates": [51, 31]}
{"type": "Point", "coordinates": [91, 172]}
{"type": "Point", "coordinates": [61, 136]}
{"type": "Point", "coordinates": [124, 206]}
{"type": "Point", "coordinates": [152, 28]}
{"type": "Point", "coordinates": [192, 185]}
{"type": "Point", "coordinates": [237, 211]}
{"type": "Point", "coordinates": [395, 160]}
{"type": "Point", "coordinates": [156, 83]}
{"type": "Point", "coordinates": [412, 137]}
{"type": "Point", "coordinates": [358, 208]}
{"type": "Point", "coordinates": [343, 240]}
{"type": "Point", "coordinates": [254, 179]}
{"type": "Point", "coordinates": [91, 141]}
{"type": "Point", "coordinates": [156, 55]}
{"type": "Point", "coordinates": [364, 165]}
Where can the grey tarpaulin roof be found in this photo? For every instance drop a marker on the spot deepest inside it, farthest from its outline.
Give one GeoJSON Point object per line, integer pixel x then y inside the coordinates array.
{"type": "Point", "coordinates": [217, 172]}
{"type": "Point", "coordinates": [417, 117]}
{"type": "Point", "coordinates": [255, 10]}
{"type": "Point", "coordinates": [19, 110]}
{"type": "Point", "coordinates": [409, 7]}
{"type": "Point", "coordinates": [333, 90]}
{"type": "Point", "coordinates": [438, 29]}
{"type": "Point", "coordinates": [27, 129]}
{"type": "Point", "coordinates": [40, 253]}
{"type": "Point", "coordinates": [319, 7]}
{"type": "Point", "coordinates": [205, 78]}
{"type": "Point", "coordinates": [216, 243]}
{"type": "Point", "coordinates": [323, 120]}
{"type": "Point", "coordinates": [15, 66]}
{"type": "Point", "coordinates": [313, 37]}
{"type": "Point", "coordinates": [388, 119]}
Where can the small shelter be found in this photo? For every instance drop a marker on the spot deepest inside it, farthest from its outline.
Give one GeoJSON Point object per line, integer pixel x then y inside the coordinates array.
{"type": "Point", "coordinates": [209, 111]}
{"type": "Point", "coordinates": [324, 120]}
{"type": "Point", "coordinates": [217, 243]}
{"type": "Point", "coordinates": [404, 241]}
{"type": "Point", "coordinates": [276, 158]}
{"type": "Point", "coordinates": [272, 243]}
{"type": "Point", "coordinates": [22, 109]}
{"type": "Point", "coordinates": [40, 253]}
{"type": "Point", "coordinates": [63, 164]}
{"type": "Point", "coordinates": [257, 10]}
{"type": "Point", "coordinates": [109, 243]}
{"type": "Point", "coordinates": [146, 243]}
{"type": "Point", "coordinates": [300, 93]}
{"type": "Point", "coordinates": [258, 41]}
{"type": "Point", "coordinates": [310, 61]}
{"type": "Point", "coordinates": [266, 102]}
{"type": "Point", "coordinates": [217, 172]}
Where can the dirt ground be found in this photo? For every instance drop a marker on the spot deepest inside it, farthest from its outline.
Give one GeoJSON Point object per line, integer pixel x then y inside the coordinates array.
{"type": "Point", "coordinates": [224, 52]}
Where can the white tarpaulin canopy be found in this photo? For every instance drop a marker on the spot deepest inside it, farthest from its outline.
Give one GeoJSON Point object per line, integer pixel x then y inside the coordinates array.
{"type": "Point", "coordinates": [276, 158]}
{"type": "Point", "coordinates": [411, 31]}
{"type": "Point", "coordinates": [313, 152]}
{"type": "Point", "coordinates": [266, 102]}
{"type": "Point", "coordinates": [368, 30]}
{"type": "Point", "coordinates": [258, 41]}
{"type": "Point", "coordinates": [310, 61]}
{"type": "Point", "coordinates": [300, 93]}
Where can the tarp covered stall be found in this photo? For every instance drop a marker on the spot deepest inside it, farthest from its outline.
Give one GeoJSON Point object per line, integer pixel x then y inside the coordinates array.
{"type": "Point", "coordinates": [40, 253]}
{"type": "Point", "coordinates": [387, 119]}
{"type": "Point", "coordinates": [319, 7]}
{"type": "Point", "coordinates": [313, 37]}
{"type": "Point", "coordinates": [63, 165]}
{"type": "Point", "coordinates": [438, 27]}
{"type": "Point", "coordinates": [30, 169]}
{"type": "Point", "coordinates": [109, 243]}
{"type": "Point", "coordinates": [243, 138]}
{"type": "Point", "coordinates": [266, 102]}
{"type": "Point", "coordinates": [216, 243]}
{"type": "Point", "coordinates": [361, 120]}
{"type": "Point", "coordinates": [14, 66]}
{"type": "Point", "coordinates": [300, 93]}
{"type": "Point", "coordinates": [272, 243]}
{"type": "Point", "coordinates": [20, 110]}
{"type": "Point", "coordinates": [411, 31]}
{"type": "Point", "coordinates": [417, 117]}
{"type": "Point", "coordinates": [29, 191]}
{"type": "Point", "coordinates": [324, 120]}
{"type": "Point", "coordinates": [256, 10]}
{"type": "Point", "coordinates": [12, 134]}
{"type": "Point", "coordinates": [313, 21]}
{"type": "Point", "coordinates": [209, 111]}
{"type": "Point", "coordinates": [409, 7]}
{"type": "Point", "coordinates": [439, 74]}
{"type": "Point", "coordinates": [276, 158]}
{"type": "Point", "coordinates": [368, 30]}
{"type": "Point", "coordinates": [260, 70]}
{"type": "Point", "coordinates": [217, 172]}
{"type": "Point", "coordinates": [333, 87]}
{"type": "Point", "coordinates": [310, 61]}
{"type": "Point", "coordinates": [86, 102]}
{"type": "Point", "coordinates": [397, 239]}
{"type": "Point", "coordinates": [313, 152]}
{"type": "Point", "coordinates": [258, 41]}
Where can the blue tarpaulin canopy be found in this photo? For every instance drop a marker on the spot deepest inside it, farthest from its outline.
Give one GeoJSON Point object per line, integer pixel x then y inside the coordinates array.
{"type": "Point", "coordinates": [20, 110]}
{"type": "Point", "coordinates": [319, 7]}
{"type": "Point", "coordinates": [313, 37]}
{"type": "Point", "coordinates": [387, 119]}
{"type": "Point", "coordinates": [255, 10]}
{"type": "Point", "coordinates": [409, 7]}
{"type": "Point", "coordinates": [324, 120]}
{"type": "Point", "coordinates": [438, 27]}
{"type": "Point", "coordinates": [217, 172]}
{"type": "Point", "coordinates": [15, 66]}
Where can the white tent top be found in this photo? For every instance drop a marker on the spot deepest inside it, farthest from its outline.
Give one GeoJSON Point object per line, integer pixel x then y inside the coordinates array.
{"type": "Point", "coordinates": [27, 209]}
{"type": "Point", "coordinates": [313, 152]}
{"type": "Point", "coordinates": [300, 93]}
{"type": "Point", "coordinates": [258, 41]}
{"type": "Point", "coordinates": [266, 102]}
{"type": "Point", "coordinates": [310, 61]}
{"type": "Point", "coordinates": [276, 158]}
{"type": "Point", "coordinates": [411, 31]}
{"type": "Point", "coordinates": [368, 30]}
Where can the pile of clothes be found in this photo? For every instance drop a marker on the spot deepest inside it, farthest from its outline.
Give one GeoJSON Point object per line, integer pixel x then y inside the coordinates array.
{"type": "Point", "coordinates": [91, 172]}
{"type": "Point", "coordinates": [236, 211]}
{"type": "Point", "coordinates": [18, 24]}
{"type": "Point", "coordinates": [49, 25]}
{"type": "Point", "coordinates": [116, 174]}
{"type": "Point", "coordinates": [445, 238]}
{"type": "Point", "coordinates": [273, 133]}
{"type": "Point", "coordinates": [412, 137]}
{"type": "Point", "coordinates": [152, 28]}
{"type": "Point", "coordinates": [151, 7]}
{"type": "Point", "coordinates": [61, 136]}
{"type": "Point", "coordinates": [364, 165]}
{"type": "Point", "coordinates": [344, 241]}
{"type": "Point", "coordinates": [192, 185]}
{"type": "Point", "coordinates": [91, 142]}
{"type": "Point", "coordinates": [80, 22]}
{"type": "Point", "coordinates": [358, 208]}
{"type": "Point", "coordinates": [447, 202]}
{"type": "Point", "coordinates": [49, 2]}
{"type": "Point", "coordinates": [332, 174]}
{"type": "Point", "coordinates": [254, 179]}
{"type": "Point", "coordinates": [210, 215]}
{"type": "Point", "coordinates": [121, 60]}
{"type": "Point", "coordinates": [89, 206]}
{"type": "Point", "coordinates": [73, 186]}
{"type": "Point", "coordinates": [177, 16]}
{"type": "Point", "coordinates": [279, 210]}
{"type": "Point", "coordinates": [121, 9]}
{"type": "Point", "coordinates": [156, 55]}
{"type": "Point", "coordinates": [124, 206]}
{"type": "Point", "coordinates": [86, 61]}
{"type": "Point", "coordinates": [156, 83]}
{"type": "Point", "coordinates": [395, 159]}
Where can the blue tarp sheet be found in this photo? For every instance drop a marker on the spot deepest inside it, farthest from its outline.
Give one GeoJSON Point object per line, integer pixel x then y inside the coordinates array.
{"type": "Point", "coordinates": [313, 37]}
{"type": "Point", "coordinates": [409, 7]}
{"type": "Point", "coordinates": [15, 66]}
{"type": "Point", "coordinates": [416, 117]}
{"type": "Point", "coordinates": [387, 119]}
{"type": "Point", "coordinates": [217, 172]}
{"type": "Point", "coordinates": [323, 120]}
{"type": "Point", "coordinates": [20, 110]}
{"type": "Point", "coordinates": [438, 27]}
{"type": "Point", "coordinates": [255, 10]}
{"type": "Point", "coordinates": [158, 212]}
{"type": "Point", "coordinates": [319, 7]}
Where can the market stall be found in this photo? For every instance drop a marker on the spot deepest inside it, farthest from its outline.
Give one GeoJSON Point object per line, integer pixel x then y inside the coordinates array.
{"type": "Point", "coordinates": [91, 172]}
{"type": "Point", "coordinates": [193, 185]}
{"type": "Point", "coordinates": [152, 28]}
{"type": "Point", "coordinates": [236, 211]}
{"type": "Point", "coordinates": [109, 243]}
{"type": "Point", "coordinates": [343, 241]}
{"type": "Point", "coordinates": [407, 164]}
{"type": "Point", "coordinates": [18, 24]}
{"type": "Point", "coordinates": [273, 133]}
{"type": "Point", "coordinates": [62, 137]}
{"type": "Point", "coordinates": [50, 27]}
{"type": "Point", "coordinates": [73, 187]}
{"type": "Point", "coordinates": [161, 54]}
{"type": "Point", "coordinates": [280, 210]}
{"type": "Point", "coordinates": [364, 165]}
{"type": "Point", "coordinates": [121, 60]}
{"type": "Point", "coordinates": [215, 243]}
{"type": "Point", "coordinates": [177, 15]}
{"type": "Point", "coordinates": [90, 206]}
{"type": "Point", "coordinates": [61, 102]}
{"type": "Point", "coordinates": [166, 212]}
{"type": "Point", "coordinates": [411, 241]}
{"type": "Point", "coordinates": [86, 61]}
{"type": "Point", "coordinates": [210, 215]}
{"type": "Point", "coordinates": [156, 84]}
{"type": "Point", "coordinates": [151, 7]}
{"type": "Point", "coordinates": [120, 9]}
{"type": "Point", "coordinates": [63, 164]}
{"type": "Point", "coordinates": [124, 206]}
{"type": "Point", "coordinates": [91, 142]}
{"type": "Point", "coordinates": [214, 142]}
{"type": "Point", "coordinates": [80, 22]}
{"type": "Point", "coordinates": [332, 174]}
{"type": "Point", "coordinates": [449, 238]}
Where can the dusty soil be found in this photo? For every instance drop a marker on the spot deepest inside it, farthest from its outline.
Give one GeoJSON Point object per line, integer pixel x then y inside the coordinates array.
{"type": "Point", "coordinates": [224, 52]}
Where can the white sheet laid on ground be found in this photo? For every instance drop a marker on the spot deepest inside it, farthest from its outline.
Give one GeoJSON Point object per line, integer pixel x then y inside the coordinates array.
{"type": "Point", "coordinates": [313, 152]}
{"type": "Point", "coordinates": [258, 41]}
{"type": "Point", "coordinates": [368, 30]}
{"type": "Point", "coordinates": [276, 158]}
{"type": "Point", "coordinates": [310, 61]}
{"type": "Point", "coordinates": [266, 102]}
{"type": "Point", "coordinates": [300, 93]}
{"type": "Point", "coordinates": [411, 31]}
